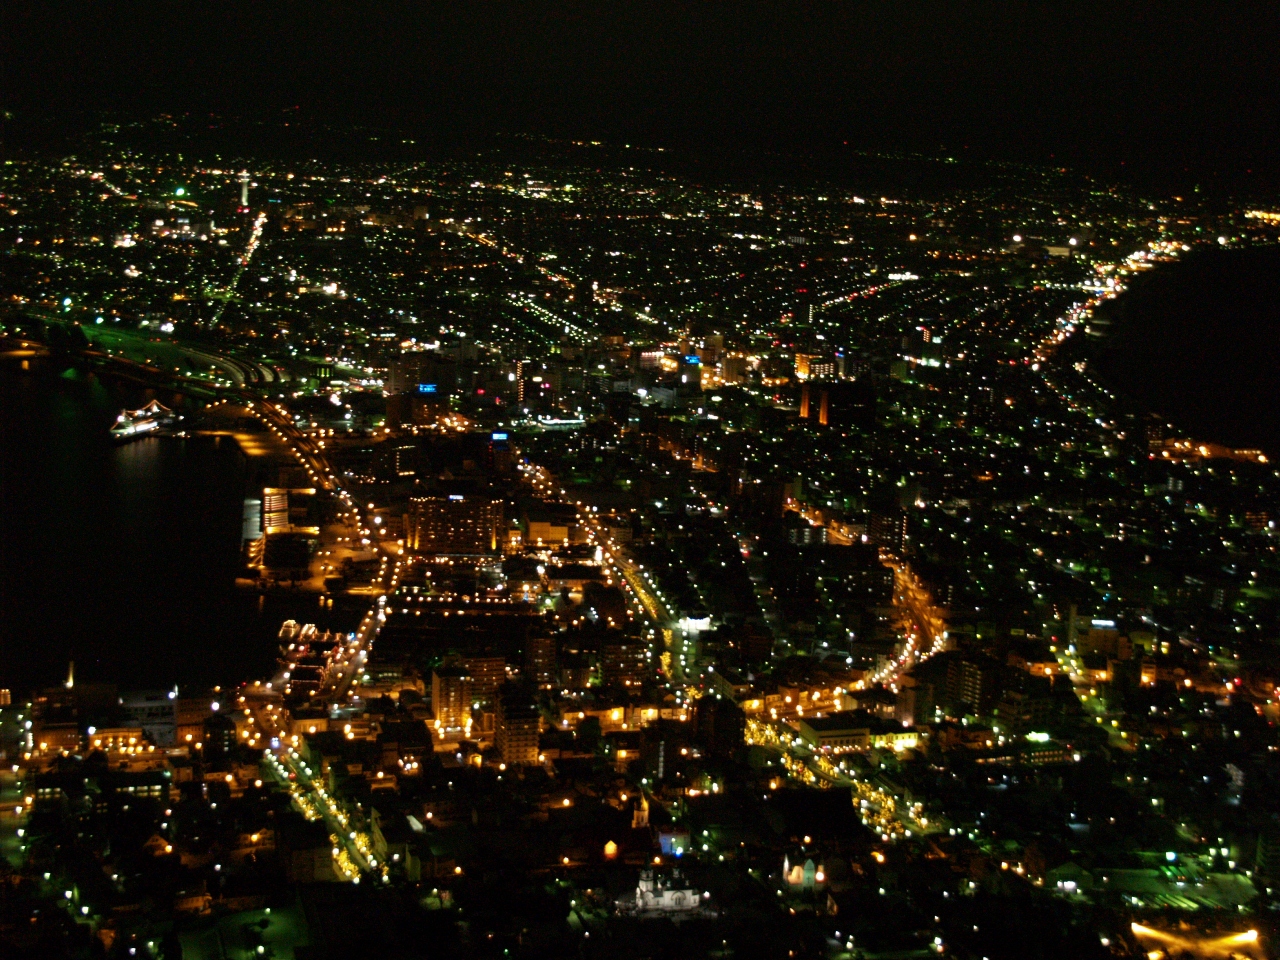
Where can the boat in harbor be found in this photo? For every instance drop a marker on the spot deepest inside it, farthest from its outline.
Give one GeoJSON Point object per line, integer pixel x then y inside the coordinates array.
{"type": "Point", "coordinates": [154, 416]}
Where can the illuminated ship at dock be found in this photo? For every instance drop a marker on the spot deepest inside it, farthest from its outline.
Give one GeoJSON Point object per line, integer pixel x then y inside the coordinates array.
{"type": "Point", "coordinates": [132, 424]}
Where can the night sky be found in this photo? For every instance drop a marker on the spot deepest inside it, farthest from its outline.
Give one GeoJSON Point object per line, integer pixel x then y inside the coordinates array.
{"type": "Point", "coordinates": [1149, 85]}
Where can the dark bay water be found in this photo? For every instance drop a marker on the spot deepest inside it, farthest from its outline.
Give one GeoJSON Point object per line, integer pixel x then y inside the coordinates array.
{"type": "Point", "coordinates": [1198, 341]}
{"type": "Point", "coordinates": [122, 558]}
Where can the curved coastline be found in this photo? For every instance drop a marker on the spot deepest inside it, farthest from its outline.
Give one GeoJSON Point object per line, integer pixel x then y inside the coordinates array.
{"type": "Point", "coordinates": [1198, 342]}
{"type": "Point", "coordinates": [121, 557]}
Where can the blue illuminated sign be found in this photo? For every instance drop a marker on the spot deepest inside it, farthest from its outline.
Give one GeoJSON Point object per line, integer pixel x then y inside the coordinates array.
{"type": "Point", "coordinates": [692, 359]}
{"type": "Point", "coordinates": [499, 436]}
{"type": "Point", "coordinates": [426, 388]}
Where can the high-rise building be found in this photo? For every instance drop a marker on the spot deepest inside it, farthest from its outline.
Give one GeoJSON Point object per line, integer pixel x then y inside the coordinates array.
{"type": "Point", "coordinates": [822, 368]}
{"type": "Point", "coordinates": [429, 376]}
{"type": "Point", "coordinates": [540, 658]}
{"type": "Point", "coordinates": [972, 684]}
{"type": "Point", "coordinates": [888, 528]}
{"type": "Point", "coordinates": [917, 701]}
{"type": "Point", "coordinates": [522, 370]}
{"type": "Point", "coordinates": [850, 367]}
{"type": "Point", "coordinates": [404, 460]}
{"type": "Point", "coordinates": [455, 523]}
{"type": "Point", "coordinates": [801, 532]}
{"type": "Point", "coordinates": [1266, 861]}
{"type": "Point", "coordinates": [244, 191]}
{"type": "Point", "coordinates": [487, 672]}
{"type": "Point", "coordinates": [516, 725]}
{"type": "Point", "coordinates": [451, 698]}
{"type": "Point", "coordinates": [622, 662]}
{"type": "Point", "coordinates": [1023, 710]}
{"type": "Point", "coordinates": [275, 509]}
{"type": "Point", "coordinates": [1154, 432]}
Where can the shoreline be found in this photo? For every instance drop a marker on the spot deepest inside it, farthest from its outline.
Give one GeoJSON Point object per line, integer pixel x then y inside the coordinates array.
{"type": "Point", "coordinates": [1170, 350]}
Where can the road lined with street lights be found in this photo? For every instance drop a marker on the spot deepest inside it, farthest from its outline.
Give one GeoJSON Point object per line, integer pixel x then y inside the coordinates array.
{"type": "Point", "coordinates": [925, 625]}
{"type": "Point", "coordinates": [264, 704]}
{"type": "Point", "coordinates": [352, 854]}
{"type": "Point", "coordinates": [255, 238]}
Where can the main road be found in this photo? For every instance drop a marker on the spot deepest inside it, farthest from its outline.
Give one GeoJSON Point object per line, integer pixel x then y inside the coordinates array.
{"type": "Point", "coordinates": [924, 623]}
{"type": "Point", "coordinates": [263, 703]}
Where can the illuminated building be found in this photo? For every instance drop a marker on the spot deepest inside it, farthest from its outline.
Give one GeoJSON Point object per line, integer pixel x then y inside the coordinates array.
{"type": "Point", "coordinates": [516, 726]}
{"type": "Point", "coordinates": [397, 460]}
{"type": "Point", "coordinates": [888, 529]}
{"type": "Point", "coordinates": [280, 505]}
{"type": "Point", "coordinates": [500, 456]}
{"type": "Point", "coordinates": [1020, 710]}
{"type": "Point", "coordinates": [455, 523]}
{"type": "Point", "coordinates": [806, 876]}
{"type": "Point", "coordinates": [640, 813]}
{"type": "Point", "coordinates": [153, 712]}
{"type": "Point", "coordinates": [421, 374]}
{"type": "Point", "coordinates": [622, 663]}
{"type": "Point", "coordinates": [971, 684]}
{"type": "Point", "coordinates": [822, 368]}
{"type": "Point", "coordinates": [1153, 430]}
{"type": "Point", "coordinates": [487, 674]}
{"type": "Point", "coordinates": [540, 658]}
{"type": "Point", "coordinates": [219, 734]}
{"type": "Point", "coordinates": [674, 841]}
{"type": "Point", "coordinates": [189, 714]}
{"type": "Point", "coordinates": [181, 228]}
{"type": "Point", "coordinates": [659, 894]}
{"type": "Point", "coordinates": [520, 375]}
{"type": "Point", "coordinates": [854, 730]}
{"type": "Point", "coordinates": [117, 739]}
{"type": "Point", "coordinates": [275, 509]}
{"type": "Point", "coordinates": [1266, 862]}
{"type": "Point", "coordinates": [55, 737]}
{"type": "Point", "coordinates": [801, 532]}
{"type": "Point", "coordinates": [839, 732]}
{"type": "Point", "coordinates": [451, 698]}
{"type": "Point", "coordinates": [547, 523]}
{"type": "Point", "coordinates": [814, 367]}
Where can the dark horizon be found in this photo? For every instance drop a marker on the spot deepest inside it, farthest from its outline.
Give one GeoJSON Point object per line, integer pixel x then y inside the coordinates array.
{"type": "Point", "coordinates": [1129, 93]}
